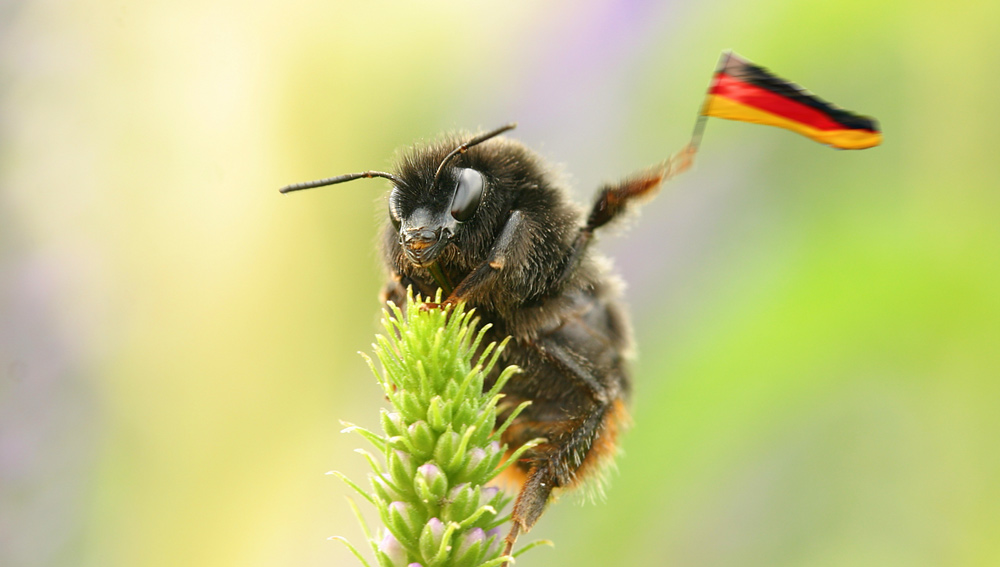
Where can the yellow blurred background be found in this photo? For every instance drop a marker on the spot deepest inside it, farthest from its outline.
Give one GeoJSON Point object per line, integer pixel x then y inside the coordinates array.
{"type": "Point", "coordinates": [818, 330]}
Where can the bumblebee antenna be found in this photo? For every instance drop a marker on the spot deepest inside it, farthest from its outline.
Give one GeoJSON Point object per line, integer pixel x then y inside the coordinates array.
{"type": "Point", "coordinates": [473, 142]}
{"type": "Point", "coordinates": [339, 179]}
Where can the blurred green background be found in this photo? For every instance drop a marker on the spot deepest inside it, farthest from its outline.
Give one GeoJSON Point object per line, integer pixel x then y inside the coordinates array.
{"type": "Point", "coordinates": [818, 330]}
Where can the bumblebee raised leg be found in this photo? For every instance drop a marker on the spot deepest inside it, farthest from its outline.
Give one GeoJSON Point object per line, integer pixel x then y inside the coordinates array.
{"type": "Point", "coordinates": [612, 200]}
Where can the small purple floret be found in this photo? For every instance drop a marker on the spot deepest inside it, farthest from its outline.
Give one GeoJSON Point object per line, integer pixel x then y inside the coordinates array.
{"type": "Point", "coordinates": [470, 538]}
{"type": "Point", "coordinates": [436, 526]}
{"type": "Point", "coordinates": [430, 472]}
{"type": "Point", "coordinates": [401, 507]}
{"type": "Point", "coordinates": [497, 535]}
{"type": "Point", "coordinates": [392, 549]}
{"type": "Point", "coordinates": [476, 456]}
{"type": "Point", "coordinates": [403, 457]}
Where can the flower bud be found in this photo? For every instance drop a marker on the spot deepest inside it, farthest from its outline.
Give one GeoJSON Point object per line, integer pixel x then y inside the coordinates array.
{"type": "Point", "coordinates": [474, 466]}
{"type": "Point", "coordinates": [439, 413]}
{"type": "Point", "coordinates": [430, 483]}
{"type": "Point", "coordinates": [462, 501]}
{"type": "Point", "coordinates": [423, 440]}
{"type": "Point", "coordinates": [391, 552]}
{"type": "Point", "coordinates": [466, 412]}
{"type": "Point", "coordinates": [489, 493]}
{"type": "Point", "coordinates": [392, 423]}
{"type": "Point", "coordinates": [493, 539]}
{"type": "Point", "coordinates": [382, 486]}
{"type": "Point", "coordinates": [494, 454]}
{"type": "Point", "coordinates": [493, 496]}
{"type": "Point", "coordinates": [430, 537]}
{"type": "Point", "coordinates": [405, 521]}
{"type": "Point", "coordinates": [482, 433]}
{"type": "Point", "coordinates": [401, 468]}
{"type": "Point", "coordinates": [409, 405]}
{"type": "Point", "coordinates": [447, 444]}
{"type": "Point", "coordinates": [470, 547]}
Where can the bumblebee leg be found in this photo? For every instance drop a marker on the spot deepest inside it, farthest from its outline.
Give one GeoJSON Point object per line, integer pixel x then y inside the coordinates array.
{"type": "Point", "coordinates": [495, 260]}
{"type": "Point", "coordinates": [577, 445]}
{"type": "Point", "coordinates": [395, 290]}
{"type": "Point", "coordinates": [572, 368]}
{"type": "Point", "coordinates": [529, 505]}
{"type": "Point", "coordinates": [510, 539]}
{"type": "Point", "coordinates": [611, 201]}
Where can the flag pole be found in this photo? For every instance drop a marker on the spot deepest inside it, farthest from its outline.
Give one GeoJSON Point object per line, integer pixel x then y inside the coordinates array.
{"type": "Point", "coordinates": [683, 159]}
{"type": "Point", "coordinates": [699, 125]}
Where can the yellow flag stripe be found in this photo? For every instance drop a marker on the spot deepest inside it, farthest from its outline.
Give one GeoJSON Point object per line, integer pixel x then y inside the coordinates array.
{"type": "Point", "coordinates": [722, 107]}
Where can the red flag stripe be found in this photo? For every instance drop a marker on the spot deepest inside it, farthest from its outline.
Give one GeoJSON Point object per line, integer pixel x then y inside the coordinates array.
{"type": "Point", "coordinates": [754, 96]}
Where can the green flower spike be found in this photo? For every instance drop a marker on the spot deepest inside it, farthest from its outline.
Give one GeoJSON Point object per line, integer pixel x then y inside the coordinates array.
{"type": "Point", "coordinates": [439, 443]}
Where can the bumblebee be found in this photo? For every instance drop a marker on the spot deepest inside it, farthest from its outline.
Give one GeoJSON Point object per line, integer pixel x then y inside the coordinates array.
{"type": "Point", "coordinates": [484, 220]}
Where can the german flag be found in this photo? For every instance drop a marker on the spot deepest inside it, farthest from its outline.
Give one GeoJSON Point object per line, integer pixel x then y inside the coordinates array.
{"type": "Point", "coordinates": [743, 91]}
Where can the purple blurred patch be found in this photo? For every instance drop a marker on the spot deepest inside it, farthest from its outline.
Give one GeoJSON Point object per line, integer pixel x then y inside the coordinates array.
{"type": "Point", "coordinates": [47, 432]}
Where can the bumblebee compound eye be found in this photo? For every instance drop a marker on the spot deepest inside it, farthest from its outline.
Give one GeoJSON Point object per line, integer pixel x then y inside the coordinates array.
{"type": "Point", "coordinates": [468, 194]}
{"type": "Point", "coordinates": [394, 208]}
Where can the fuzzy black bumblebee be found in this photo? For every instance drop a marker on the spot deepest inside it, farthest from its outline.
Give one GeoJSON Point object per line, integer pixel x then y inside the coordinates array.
{"type": "Point", "coordinates": [485, 221]}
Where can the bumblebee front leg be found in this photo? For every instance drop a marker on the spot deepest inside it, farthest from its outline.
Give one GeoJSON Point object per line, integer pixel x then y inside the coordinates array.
{"type": "Point", "coordinates": [395, 290]}
{"type": "Point", "coordinates": [499, 255]}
